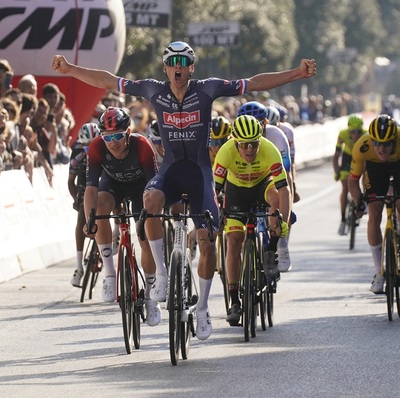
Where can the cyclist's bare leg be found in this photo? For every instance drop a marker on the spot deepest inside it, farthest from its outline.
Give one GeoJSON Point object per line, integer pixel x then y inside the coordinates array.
{"type": "Point", "coordinates": [105, 205]}
{"type": "Point", "coordinates": [153, 202]}
{"type": "Point", "coordinates": [208, 257]}
{"type": "Point", "coordinates": [234, 248]}
{"type": "Point", "coordinates": [147, 260]}
{"type": "Point", "coordinates": [343, 198]}
{"type": "Point", "coordinates": [374, 223]}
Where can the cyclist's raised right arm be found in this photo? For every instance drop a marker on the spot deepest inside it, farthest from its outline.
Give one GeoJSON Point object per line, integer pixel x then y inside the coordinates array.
{"type": "Point", "coordinates": [94, 77]}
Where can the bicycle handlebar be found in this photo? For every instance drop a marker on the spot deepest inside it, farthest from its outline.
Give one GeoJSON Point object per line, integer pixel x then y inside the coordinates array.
{"type": "Point", "coordinates": [91, 223]}
{"type": "Point", "coordinates": [175, 216]}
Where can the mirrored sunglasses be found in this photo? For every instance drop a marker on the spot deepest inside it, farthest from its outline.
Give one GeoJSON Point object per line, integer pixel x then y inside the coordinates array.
{"type": "Point", "coordinates": [156, 141]}
{"type": "Point", "coordinates": [116, 136]}
{"type": "Point", "coordinates": [251, 144]}
{"type": "Point", "coordinates": [181, 59]}
{"type": "Point", "coordinates": [386, 144]}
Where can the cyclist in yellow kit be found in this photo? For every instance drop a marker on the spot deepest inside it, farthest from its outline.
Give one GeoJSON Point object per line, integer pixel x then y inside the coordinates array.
{"type": "Point", "coordinates": [342, 159]}
{"type": "Point", "coordinates": [377, 156]}
{"type": "Point", "coordinates": [250, 167]}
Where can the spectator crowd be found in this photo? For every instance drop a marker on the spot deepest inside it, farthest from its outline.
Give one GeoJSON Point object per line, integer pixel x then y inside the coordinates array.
{"type": "Point", "coordinates": [35, 126]}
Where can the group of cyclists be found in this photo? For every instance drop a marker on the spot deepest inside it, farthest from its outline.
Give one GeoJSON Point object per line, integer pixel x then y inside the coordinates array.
{"type": "Point", "coordinates": [365, 162]}
{"type": "Point", "coordinates": [120, 163]}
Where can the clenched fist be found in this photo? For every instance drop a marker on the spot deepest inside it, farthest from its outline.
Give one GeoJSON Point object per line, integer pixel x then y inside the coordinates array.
{"type": "Point", "coordinates": [60, 64]}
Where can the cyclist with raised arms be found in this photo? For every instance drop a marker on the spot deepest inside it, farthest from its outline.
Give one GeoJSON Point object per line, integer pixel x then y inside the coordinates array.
{"type": "Point", "coordinates": [183, 107]}
{"type": "Point", "coordinates": [250, 167]}
{"type": "Point", "coordinates": [342, 159]}
{"type": "Point", "coordinates": [377, 156]}
{"type": "Point", "coordinates": [76, 186]}
{"type": "Point", "coordinates": [120, 164]}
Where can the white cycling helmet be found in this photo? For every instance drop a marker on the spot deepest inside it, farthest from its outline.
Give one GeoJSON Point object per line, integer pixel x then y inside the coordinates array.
{"type": "Point", "coordinates": [179, 48]}
{"type": "Point", "coordinates": [273, 115]}
{"type": "Point", "coordinates": [88, 132]}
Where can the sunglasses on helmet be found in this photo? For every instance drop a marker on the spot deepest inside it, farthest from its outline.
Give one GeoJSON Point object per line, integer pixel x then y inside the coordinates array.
{"type": "Point", "coordinates": [181, 59]}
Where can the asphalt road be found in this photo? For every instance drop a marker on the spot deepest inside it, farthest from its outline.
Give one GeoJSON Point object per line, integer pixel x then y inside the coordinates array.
{"type": "Point", "coordinates": [331, 336]}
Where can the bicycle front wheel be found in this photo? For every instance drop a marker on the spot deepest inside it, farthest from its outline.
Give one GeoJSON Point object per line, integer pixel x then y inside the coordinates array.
{"type": "Point", "coordinates": [96, 269]}
{"type": "Point", "coordinates": [187, 327]}
{"type": "Point", "coordinates": [262, 290]}
{"type": "Point", "coordinates": [390, 273]}
{"type": "Point", "coordinates": [168, 240]}
{"type": "Point", "coordinates": [126, 299]}
{"type": "Point", "coordinates": [249, 305]}
{"type": "Point", "coordinates": [174, 306]}
{"type": "Point", "coordinates": [89, 263]}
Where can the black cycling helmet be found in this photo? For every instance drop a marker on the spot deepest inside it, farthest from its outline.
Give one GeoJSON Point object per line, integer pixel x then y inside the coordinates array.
{"type": "Point", "coordinates": [383, 128]}
{"type": "Point", "coordinates": [253, 108]}
{"type": "Point", "coordinates": [152, 131]}
{"type": "Point", "coordinates": [114, 119]}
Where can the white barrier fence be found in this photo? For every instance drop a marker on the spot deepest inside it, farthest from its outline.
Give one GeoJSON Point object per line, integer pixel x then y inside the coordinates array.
{"type": "Point", "coordinates": [38, 222]}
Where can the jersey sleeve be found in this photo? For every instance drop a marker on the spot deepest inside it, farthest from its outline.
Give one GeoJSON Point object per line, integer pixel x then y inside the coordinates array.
{"type": "Point", "coordinates": [360, 149]}
{"type": "Point", "coordinates": [221, 166]}
{"type": "Point", "coordinates": [147, 157]}
{"type": "Point", "coordinates": [94, 167]}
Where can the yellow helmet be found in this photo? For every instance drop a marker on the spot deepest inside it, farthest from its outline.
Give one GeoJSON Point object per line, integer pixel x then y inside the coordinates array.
{"type": "Point", "coordinates": [246, 128]}
{"type": "Point", "coordinates": [220, 128]}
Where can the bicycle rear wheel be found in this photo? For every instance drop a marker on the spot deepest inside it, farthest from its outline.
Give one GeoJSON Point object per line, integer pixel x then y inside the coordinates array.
{"type": "Point", "coordinates": [174, 306]}
{"type": "Point", "coordinates": [89, 261]}
{"type": "Point", "coordinates": [138, 302]}
{"type": "Point", "coordinates": [221, 266]}
{"type": "Point", "coordinates": [390, 275]}
{"type": "Point", "coordinates": [125, 299]}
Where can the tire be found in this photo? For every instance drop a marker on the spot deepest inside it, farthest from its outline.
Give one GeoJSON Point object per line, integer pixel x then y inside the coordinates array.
{"type": "Point", "coordinates": [174, 306]}
{"type": "Point", "coordinates": [125, 298]}
{"type": "Point", "coordinates": [390, 275]}
{"type": "Point", "coordinates": [138, 303]}
{"type": "Point", "coordinates": [249, 310]}
{"type": "Point", "coordinates": [262, 290]}
{"type": "Point", "coordinates": [89, 261]}
{"type": "Point", "coordinates": [270, 306]}
{"type": "Point", "coordinates": [221, 266]}
{"type": "Point", "coordinates": [187, 327]}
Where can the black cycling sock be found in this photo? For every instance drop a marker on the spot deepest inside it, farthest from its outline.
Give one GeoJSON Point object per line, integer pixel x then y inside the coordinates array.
{"type": "Point", "coordinates": [273, 243]}
{"type": "Point", "coordinates": [234, 293]}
